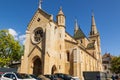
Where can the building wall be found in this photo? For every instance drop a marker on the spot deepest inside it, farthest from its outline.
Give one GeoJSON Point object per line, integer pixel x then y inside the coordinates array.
{"type": "Point", "coordinates": [106, 61]}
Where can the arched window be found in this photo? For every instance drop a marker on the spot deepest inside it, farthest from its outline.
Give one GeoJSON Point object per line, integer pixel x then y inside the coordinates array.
{"type": "Point", "coordinates": [68, 56]}
{"type": "Point", "coordinates": [54, 69]}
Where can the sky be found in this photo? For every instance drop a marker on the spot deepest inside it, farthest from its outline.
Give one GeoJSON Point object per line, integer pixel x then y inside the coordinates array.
{"type": "Point", "coordinates": [15, 15]}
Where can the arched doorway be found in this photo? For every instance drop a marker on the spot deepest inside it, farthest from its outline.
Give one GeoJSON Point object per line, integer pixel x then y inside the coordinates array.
{"type": "Point", "coordinates": [54, 69]}
{"type": "Point", "coordinates": [37, 66]}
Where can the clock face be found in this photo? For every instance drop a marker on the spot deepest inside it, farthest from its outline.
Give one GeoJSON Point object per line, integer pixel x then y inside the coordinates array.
{"type": "Point", "coordinates": [37, 35]}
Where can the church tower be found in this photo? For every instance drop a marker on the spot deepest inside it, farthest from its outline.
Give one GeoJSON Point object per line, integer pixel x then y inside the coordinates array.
{"type": "Point", "coordinates": [95, 37]}
{"type": "Point", "coordinates": [94, 34]}
{"type": "Point", "coordinates": [61, 37]}
{"type": "Point", "coordinates": [61, 28]}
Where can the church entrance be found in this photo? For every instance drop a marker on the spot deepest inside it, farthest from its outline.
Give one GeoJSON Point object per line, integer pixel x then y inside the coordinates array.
{"type": "Point", "coordinates": [37, 68]}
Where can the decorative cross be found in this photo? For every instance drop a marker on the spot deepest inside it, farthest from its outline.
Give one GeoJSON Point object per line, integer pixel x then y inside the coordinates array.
{"type": "Point", "coordinates": [40, 3]}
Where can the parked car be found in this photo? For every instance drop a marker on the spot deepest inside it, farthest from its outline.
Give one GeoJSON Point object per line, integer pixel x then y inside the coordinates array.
{"type": "Point", "coordinates": [51, 77]}
{"type": "Point", "coordinates": [75, 78]}
{"type": "Point", "coordinates": [43, 77]}
{"type": "Point", "coordinates": [35, 77]}
{"type": "Point", "coordinates": [16, 76]}
{"type": "Point", "coordinates": [63, 76]}
{"type": "Point", "coordinates": [1, 74]}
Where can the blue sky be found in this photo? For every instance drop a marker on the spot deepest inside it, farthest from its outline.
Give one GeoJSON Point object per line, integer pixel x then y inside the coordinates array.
{"type": "Point", "coordinates": [16, 14]}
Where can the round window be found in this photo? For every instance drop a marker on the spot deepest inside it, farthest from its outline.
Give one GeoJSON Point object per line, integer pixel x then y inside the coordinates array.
{"type": "Point", "coordinates": [37, 35]}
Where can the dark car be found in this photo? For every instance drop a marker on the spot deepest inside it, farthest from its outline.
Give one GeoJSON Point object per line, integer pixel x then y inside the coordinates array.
{"type": "Point", "coordinates": [51, 77]}
{"type": "Point", "coordinates": [64, 76]}
{"type": "Point", "coordinates": [35, 77]}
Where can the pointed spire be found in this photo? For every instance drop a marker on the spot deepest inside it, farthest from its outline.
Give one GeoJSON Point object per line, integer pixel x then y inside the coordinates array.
{"type": "Point", "coordinates": [60, 11]}
{"type": "Point", "coordinates": [61, 18]}
{"type": "Point", "coordinates": [40, 4]}
{"type": "Point", "coordinates": [93, 26]}
{"type": "Point", "coordinates": [76, 26]}
{"type": "Point", "coordinates": [93, 20]}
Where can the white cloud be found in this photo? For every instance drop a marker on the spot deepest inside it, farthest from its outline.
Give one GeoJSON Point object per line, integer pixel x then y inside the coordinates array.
{"type": "Point", "coordinates": [18, 37]}
{"type": "Point", "coordinates": [22, 38]}
{"type": "Point", "coordinates": [13, 33]}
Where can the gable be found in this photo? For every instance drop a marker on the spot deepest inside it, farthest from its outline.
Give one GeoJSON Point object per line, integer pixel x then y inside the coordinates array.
{"type": "Point", "coordinates": [39, 19]}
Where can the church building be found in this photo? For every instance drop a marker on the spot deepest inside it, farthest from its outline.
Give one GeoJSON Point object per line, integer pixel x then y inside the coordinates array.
{"type": "Point", "coordinates": [50, 49]}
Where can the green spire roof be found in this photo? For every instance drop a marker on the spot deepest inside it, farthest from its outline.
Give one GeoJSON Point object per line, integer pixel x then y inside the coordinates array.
{"type": "Point", "coordinates": [79, 34]}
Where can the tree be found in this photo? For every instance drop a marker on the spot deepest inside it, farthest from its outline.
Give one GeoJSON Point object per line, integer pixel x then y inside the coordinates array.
{"type": "Point", "coordinates": [115, 65]}
{"type": "Point", "coordinates": [10, 49]}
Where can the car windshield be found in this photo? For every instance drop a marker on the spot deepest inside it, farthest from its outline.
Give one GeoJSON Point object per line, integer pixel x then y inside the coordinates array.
{"type": "Point", "coordinates": [33, 76]}
{"type": "Point", "coordinates": [48, 76]}
{"type": "Point", "coordinates": [23, 76]}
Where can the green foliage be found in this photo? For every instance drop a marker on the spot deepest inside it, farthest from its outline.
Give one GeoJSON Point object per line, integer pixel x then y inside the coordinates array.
{"type": "Point", "coordinates": [10, 49]}
{"type": "Point", "coordinates": [4, 61]}
{"type": "Point", "coordinates": [115, 65]}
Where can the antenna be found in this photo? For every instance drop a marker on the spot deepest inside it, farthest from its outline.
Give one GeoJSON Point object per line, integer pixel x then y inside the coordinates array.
{"type": "Point", "coordinates": [40, 3]}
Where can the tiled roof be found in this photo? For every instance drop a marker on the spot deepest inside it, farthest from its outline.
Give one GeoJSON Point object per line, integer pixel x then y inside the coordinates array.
{"type": "Point", "coordinates": [79, 34]}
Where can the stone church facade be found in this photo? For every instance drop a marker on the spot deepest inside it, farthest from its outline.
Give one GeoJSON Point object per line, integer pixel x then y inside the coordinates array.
{"type": "Point", "coordinates": [50, 49]}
